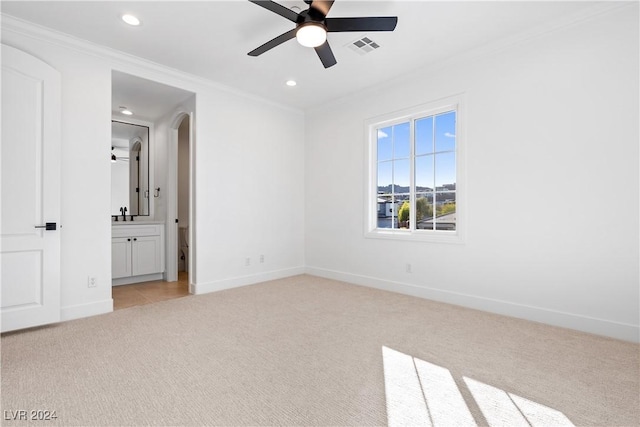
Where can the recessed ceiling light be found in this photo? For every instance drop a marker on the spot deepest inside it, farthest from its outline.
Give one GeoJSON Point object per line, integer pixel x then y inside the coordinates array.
{"type": "Point", "coordinates": [291, 83]}
{"type": "Point", "coordinates": [131, 20]}
{"type": "Point", "coordinates": [125, 111]}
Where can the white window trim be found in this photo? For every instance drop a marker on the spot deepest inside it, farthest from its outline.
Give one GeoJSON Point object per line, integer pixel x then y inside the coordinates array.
{"type": "Point", "coordinates": [458, 236]}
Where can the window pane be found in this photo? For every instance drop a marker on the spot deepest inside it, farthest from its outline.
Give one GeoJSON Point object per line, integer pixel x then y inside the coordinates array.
{"type": "Point", "coordinates": [384, 177]}
{"type": "Point", "coordinates": [401, 140]}
{"type": "Point", "coordinates": [404, 209]}
{"type": "Point", "coordinates": [445, 171]}
{"type": "Point", "coordinates": [424, 136]}
{"type": "Point", "coordinates": [444, 198]}
{"type": "Point", "coordinates": [401, 176]}
{"type": "Point", "coordinates": [446, 132]}
{"type": "Point", "coordinates": [424, 173]}
{"type": "Point", "coordinates": [446, 210]}
{"type": "Point", "coordinates": [384, 144]}
{"type": "Point", "coordinates": [424, 206]}
{"type": "Point", "coordinates": [386, 211]}
{"type": "Point", "coordinates": [424, 211]}
{"type": "Point", "coordinates": [388, 222]}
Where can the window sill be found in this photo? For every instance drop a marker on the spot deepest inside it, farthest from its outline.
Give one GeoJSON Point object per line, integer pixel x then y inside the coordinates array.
{"type": "Point", "coordinates": [451, 237]}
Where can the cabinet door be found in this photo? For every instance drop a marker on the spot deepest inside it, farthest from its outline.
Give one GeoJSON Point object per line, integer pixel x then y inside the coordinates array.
{"type": "Point", "coordinates": [146, 255]}
{"type": "Point", "coordinates": [120, 257]}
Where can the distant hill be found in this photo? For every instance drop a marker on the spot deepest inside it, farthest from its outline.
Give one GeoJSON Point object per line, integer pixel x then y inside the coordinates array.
{"type": "Point", "coordinates": [401, 189]}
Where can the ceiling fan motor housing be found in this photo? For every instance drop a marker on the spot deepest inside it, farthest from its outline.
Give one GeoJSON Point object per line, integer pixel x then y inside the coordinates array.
{"type": "Point", "coordinates": [310, 15]}
{"type": "Point", "coordinates": [306, 17]}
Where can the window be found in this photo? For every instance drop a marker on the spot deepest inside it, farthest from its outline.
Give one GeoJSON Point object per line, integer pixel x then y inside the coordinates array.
{"type": "Point", "coordinates": [415, 170]}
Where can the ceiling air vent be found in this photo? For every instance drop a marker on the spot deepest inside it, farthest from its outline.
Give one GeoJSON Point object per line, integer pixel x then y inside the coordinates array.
{"type": "Point", "coordinates": [364, 45]}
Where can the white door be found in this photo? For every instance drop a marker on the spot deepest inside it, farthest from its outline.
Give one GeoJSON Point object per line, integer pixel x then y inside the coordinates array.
{"type": "Point", "coordinates": [30, 182]}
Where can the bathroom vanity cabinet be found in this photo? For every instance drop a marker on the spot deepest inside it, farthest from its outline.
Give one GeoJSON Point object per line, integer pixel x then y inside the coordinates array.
{"type": "Point", "coordinates": [137, 252]}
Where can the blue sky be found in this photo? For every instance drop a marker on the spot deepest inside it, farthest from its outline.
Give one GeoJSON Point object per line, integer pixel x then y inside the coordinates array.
{"type": "Point", "coordinates": [394, 148]}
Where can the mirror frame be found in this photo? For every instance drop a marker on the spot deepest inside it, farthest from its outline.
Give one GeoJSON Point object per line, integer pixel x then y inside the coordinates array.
{"type": "Point", "coordinates": [150, 160]}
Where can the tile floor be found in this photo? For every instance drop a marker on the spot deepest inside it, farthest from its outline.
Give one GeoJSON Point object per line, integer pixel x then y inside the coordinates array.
{"type": "Point", "coordinates": [125, 296]}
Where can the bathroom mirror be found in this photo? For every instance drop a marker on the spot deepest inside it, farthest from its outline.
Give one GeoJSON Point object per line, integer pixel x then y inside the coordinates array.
{"type": "Point", "coordinates": [129, 168]}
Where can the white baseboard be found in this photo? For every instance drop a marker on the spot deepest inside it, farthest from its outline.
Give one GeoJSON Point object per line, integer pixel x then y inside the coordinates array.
{"type": "Point", "coordinates": [86, 310]}
{"type": "Point", "coordinates": [592, 325]}
{"type": "Point", "coordinates": [235, 282]}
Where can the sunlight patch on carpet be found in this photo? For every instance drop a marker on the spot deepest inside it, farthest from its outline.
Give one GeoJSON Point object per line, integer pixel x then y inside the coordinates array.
{"type": "Point", "coordinates": [419, 393]}
{"type": "Point", "coordinates": [507, 409]}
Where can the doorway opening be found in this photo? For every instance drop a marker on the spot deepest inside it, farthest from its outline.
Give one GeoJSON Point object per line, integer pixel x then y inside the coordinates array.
{"type": "Point", "coordinates": [184, 192]}
{"type": "Point", "coordinates": [164, 108]}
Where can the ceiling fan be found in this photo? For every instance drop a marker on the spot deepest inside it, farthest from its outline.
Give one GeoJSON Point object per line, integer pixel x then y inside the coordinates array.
{"type": "Point", "coordinates": [312, 26]}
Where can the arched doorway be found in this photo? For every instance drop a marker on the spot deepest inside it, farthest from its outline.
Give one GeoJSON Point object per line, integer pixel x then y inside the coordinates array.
{"type": "Point", "coordinates": [180, 245]}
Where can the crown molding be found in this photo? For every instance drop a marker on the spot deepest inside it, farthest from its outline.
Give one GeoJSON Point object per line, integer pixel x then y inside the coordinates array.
{"type": "Point", "coordinates": [120, 60]}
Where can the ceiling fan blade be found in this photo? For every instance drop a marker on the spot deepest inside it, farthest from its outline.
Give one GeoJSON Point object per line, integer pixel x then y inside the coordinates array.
{"type": "Point", "coordinates": [373, 23]}
{"type": "Point", "coordinates": [322, 7]}
{"type": "Point", "coordinates": [326, 55]}
{"type": "Point", "coordinates": [273, 43]}
{"type": "Point", "coordinates": [277, 8]}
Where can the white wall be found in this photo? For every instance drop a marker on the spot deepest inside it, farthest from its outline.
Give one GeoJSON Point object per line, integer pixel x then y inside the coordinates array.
{"type": "Point", "coordinates": [249, 174]}
{"type": "Point", "coordinates": [239, 139]}
{"type": "Point", "coordinates": [552, 180]}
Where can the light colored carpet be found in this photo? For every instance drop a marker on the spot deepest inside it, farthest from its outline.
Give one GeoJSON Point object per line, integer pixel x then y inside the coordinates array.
{"type": "Point", "coordinates": [304, 351]}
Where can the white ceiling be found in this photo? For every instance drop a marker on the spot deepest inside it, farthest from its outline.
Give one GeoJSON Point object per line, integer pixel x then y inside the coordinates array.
{"type": "Point", "coordinates": [211, 39]}
{"type": "Point", "coordinates": [148, 100]}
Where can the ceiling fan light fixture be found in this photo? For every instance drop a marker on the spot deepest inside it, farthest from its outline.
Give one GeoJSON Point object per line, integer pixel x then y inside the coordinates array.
{"type": "Point", "coordinates": [311, 34]}
{"type": "Point", "coordinates": [131, 20]}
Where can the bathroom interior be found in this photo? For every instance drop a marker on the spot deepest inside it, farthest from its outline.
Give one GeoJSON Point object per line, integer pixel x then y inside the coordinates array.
{"type": "Point", "coordinates": [150, 190]}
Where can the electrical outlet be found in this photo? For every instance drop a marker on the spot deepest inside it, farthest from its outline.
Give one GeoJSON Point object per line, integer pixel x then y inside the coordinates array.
{"type": "Point", "coordinates": [408, 268]}
{"type": "Point", "coordinates": [261, 259]}
{"type": "Point", "coordinates": [92, 282]}
{"type": "Point", "coordinates": [247, 262]}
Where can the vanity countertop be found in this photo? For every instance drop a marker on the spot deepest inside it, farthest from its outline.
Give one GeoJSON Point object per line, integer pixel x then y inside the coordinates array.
{"type": "Point", "coordinates": [136, 222]}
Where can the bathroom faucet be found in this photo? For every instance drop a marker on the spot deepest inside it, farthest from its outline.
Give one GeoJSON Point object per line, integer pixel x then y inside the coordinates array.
{"type": "Point", "coordinates": [124, 215]}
